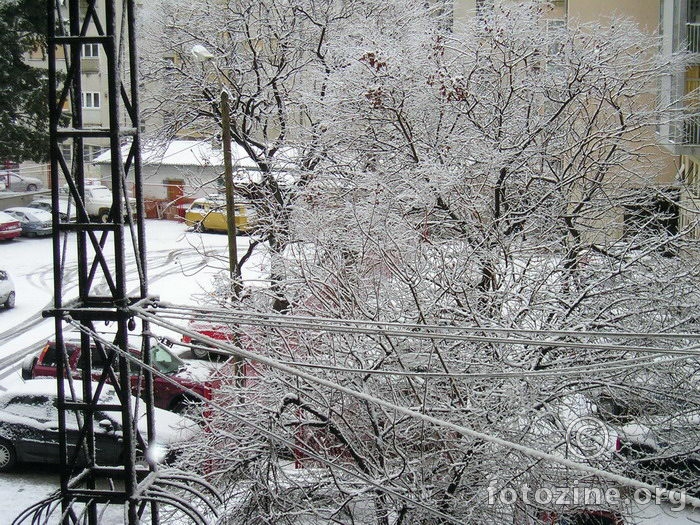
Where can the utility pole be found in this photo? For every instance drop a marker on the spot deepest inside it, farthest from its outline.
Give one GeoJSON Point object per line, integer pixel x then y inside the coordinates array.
{"type": "Point", "coordinates": [234, 270]}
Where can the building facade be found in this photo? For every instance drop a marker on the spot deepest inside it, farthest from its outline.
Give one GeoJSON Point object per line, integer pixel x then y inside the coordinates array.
{"type": "Point", "coordinates": [675, 147]}
{"type": "Point", "coordinates": [94, 100]}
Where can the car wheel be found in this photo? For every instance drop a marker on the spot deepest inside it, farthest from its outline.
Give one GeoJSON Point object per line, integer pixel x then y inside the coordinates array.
{"type": "Point", "coordinates": [199, 353]}
{"type": "Point", "coordinates": [8, 456]}
{"type": "Point", "coordinates": [10, 303]}
{"type": "Point", "coordinates": [28, 367]}
{"type": "Point", "coordinates": [104, 217]}
{"type": "Point", "coordinates": [183, 406]}
{"type": "Point", "coordinates": [31, 187]}
{"type": "Point", "coordinates": [199, 227]}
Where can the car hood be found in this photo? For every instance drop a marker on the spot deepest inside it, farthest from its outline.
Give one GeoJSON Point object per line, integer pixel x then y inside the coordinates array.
{"type": "Point", "coordinates": [196, 372]}
{"type": "Point", "coordinates": [170, 428]}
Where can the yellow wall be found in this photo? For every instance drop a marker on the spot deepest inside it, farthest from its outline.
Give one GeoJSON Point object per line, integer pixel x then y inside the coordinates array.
{"type": "Point", "coordinates": [644, 12]}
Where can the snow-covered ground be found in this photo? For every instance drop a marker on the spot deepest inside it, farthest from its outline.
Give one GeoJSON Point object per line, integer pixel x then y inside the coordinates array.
{"type": "Point", "coordinates": [182, 267]}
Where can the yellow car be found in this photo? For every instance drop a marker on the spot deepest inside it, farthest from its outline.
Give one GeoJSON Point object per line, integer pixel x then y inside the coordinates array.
{"type": "Point", "coordinates": [210, 215]}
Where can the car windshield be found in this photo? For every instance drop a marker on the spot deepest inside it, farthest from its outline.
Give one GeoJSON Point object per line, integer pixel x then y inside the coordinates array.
{"type": "Point", "coordinates": [6, 217]}
{"type": "Point", "coordinates": [165, 361]}
{"type": "Point", "coordinates": [38, 215]}
{"type": "Point", "coordinates": [35, 406]}
{"type": "Point", "coordinates": [101, 193]}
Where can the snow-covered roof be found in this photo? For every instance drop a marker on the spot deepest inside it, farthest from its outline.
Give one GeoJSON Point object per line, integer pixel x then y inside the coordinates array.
{"type": "Point", "coordinates": [199, 153]}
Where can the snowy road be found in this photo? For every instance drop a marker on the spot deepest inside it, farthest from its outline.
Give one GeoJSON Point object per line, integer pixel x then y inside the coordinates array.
{"type": "Point", "coordinates": [175, 255]}
{"type": "Point", "coordinates": [181, 267]}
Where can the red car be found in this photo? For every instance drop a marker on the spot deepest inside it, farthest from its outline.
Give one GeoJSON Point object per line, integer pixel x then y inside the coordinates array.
{"type": "Point", "coordinates": [9, 227]}
{"type": "Point", "coordinates": [166, 395]}
{"type": "Point", "coordinates": [218, 331]}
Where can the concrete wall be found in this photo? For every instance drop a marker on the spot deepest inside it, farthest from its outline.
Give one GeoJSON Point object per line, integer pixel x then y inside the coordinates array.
{"type": "Point", "coordinates": [12, 199]}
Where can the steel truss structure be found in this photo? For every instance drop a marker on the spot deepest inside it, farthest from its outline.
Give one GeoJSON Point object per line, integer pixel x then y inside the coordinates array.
{"type": "Point", "coordinates": [111, 257]}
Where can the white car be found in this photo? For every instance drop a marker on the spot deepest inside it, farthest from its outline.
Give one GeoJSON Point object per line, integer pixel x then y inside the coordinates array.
{"type": "Point", "coordinates": [34, 222]}
{"type": "Point", "coordinates": [65, 211]}
{"type": "Point", "coordinates": [7, 290]}
{"type": "Point", "coordinates": [16, 182]}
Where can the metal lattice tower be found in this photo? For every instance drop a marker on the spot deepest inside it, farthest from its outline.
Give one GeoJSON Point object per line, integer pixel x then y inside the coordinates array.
{"type": "Point", "coordinates": [111, 255]}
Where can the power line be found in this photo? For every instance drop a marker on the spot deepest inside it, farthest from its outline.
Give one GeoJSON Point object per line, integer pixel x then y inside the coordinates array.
{"type": "Point", "coordinates": [294, 445]}
{"type": "Point", "coordinates": [528, 451]}
{"type": "Point", "coordinates": [431, 332]}
{"type": "Point", "coordinates": [614, 366]}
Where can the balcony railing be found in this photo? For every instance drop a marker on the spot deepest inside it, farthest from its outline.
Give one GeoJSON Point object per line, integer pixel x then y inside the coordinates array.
{"type": "Point", "coordinates": [691, 131]}
{"type": "Point", "coordinates": [693, 37]}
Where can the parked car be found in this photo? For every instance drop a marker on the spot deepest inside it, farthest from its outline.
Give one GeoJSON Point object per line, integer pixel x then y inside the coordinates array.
{"type": "Point", "coordinates": [665, 449]}
{"type": "Point", "coordinates": [199, 348]}
{"type": "Point", "coordinates": [34, 222]}
{"type": "Point", "coordinates": [16, 182]}
{"type": "Point", "coordinates": [7, 290]}
{"type": "Point", "coordinates": [9, 227]}
{"type": "Point", "coordinates": [169, 396]}
{"type": "Point", "coordinates": [44, 203]}
{"type": "Point", "coordinates": [29, 426]}
{"type": "Point", "coordinates": [97, 201]}
{"type": "Point", "coordinates": [210, 215]}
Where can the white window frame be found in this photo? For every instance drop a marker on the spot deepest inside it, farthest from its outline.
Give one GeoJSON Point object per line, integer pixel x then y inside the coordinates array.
{"type": "Point", "coordinates": [91, 100]}
{"type": "Point", "coordinates": [90, 51]}
{"type": "Point", "coordinates": [67, 150]}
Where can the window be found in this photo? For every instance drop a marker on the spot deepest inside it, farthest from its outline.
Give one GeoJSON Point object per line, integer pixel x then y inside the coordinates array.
{"type": "Point", "coordinates": [175, 188]}
{"type": "Point", "coordinates": [91, 100]}
{"type": "Point", "coordinates": [164, 361]}
{"type": "Point", "coordinates": [484, 8]}
{"type": "Point", "coordinates": [651, 213]}
{"type": "Point", "coordinates": [51, 356]}
{"type": "Point", "coordinates": [691, 175]}
{"type": "Point", "coordinates": [555, 31]}
{"type": "Point", "coordinates": [90, 51]}
{"type": "Point", "coordinates": [67, 151]}
{"type": "Point", "coordinates": [693, 11]}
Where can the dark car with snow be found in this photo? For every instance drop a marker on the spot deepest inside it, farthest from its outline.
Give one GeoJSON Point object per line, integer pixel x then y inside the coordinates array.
{"type": "Point", "coordinates": [29, 427]}
{"type": "Point", "coordinates": [176, 386]}
{"type": "Point", "coordinates": [664, 449]}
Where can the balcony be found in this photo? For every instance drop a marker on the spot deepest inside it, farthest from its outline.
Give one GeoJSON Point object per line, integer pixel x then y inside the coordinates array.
{"type": "Point", "coordinates": [691, 131]}
{"type": "Point", "coordinates": [693, 37]}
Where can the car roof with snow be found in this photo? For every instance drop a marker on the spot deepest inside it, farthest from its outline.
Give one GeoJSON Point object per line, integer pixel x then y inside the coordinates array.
{"type": "Point", "coordinates": [6, 217]}
{"type": "Point", "coordinates": [47, 386]}
{"type": "Point", "coordinates": [33, 212]}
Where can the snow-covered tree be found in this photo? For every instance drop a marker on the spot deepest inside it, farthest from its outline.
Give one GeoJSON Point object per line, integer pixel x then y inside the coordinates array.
{"type": "Point", "coordinates": [499, 177]}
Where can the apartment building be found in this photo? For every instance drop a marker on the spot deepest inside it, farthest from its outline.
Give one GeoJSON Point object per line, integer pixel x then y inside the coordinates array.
{"type": "Point", "coordinates": [94, 99]}
{"type": "Point", "coordinates": [679, 22]}
{"type": "Point", "coordinates": [673, 147]}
